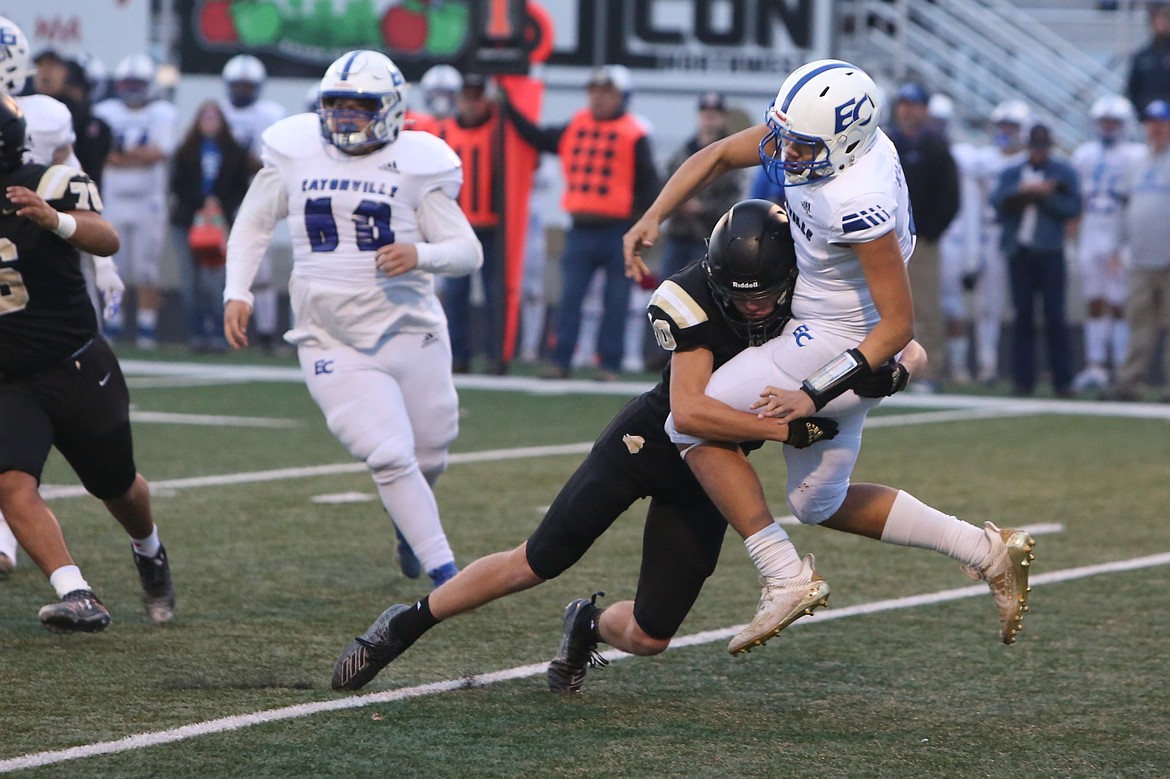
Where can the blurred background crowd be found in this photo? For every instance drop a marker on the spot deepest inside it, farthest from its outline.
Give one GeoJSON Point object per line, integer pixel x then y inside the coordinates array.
{"type": "Point", "coordinates": [1042, 263]}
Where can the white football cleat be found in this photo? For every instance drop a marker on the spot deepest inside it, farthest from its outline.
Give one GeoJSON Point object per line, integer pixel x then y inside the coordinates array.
{"type": "Point", "coordinates": [782, 602]}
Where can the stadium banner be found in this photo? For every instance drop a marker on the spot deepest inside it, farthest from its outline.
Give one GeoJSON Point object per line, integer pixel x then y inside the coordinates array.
{"type": "Point", "coordinates": [107, 29]}
{"type": "Point", "coordinates": [707, 41]}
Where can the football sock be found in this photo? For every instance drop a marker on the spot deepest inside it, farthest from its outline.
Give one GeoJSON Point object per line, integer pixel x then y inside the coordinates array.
{"type": "Point", "coordinates": [1118, 341]}
{"type": "Point", "coordinates": [149, 546]}
{"type": "Point", "coordinates": [411, 504]}
{"type": "Point", "coordinates": [409, 625]}
{"type": "Point", "coordinates": [913, 523]}
{"type": "Point", "coordinates": [68, 578]}
{"type": "Point", "coordinates": [147, 320]}
{"type": "Point", "coordinates": [1096, 340]}
{"type": "Point", "coordinates": [773, 553]}
{"type": "Point", "coordinates": [7, 540]}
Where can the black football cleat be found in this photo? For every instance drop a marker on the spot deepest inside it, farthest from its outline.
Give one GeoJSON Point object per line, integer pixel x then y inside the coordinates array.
{"type": "Point", "coordinates": [369, 653]}
{"type": "Point", "coordinates": [80, 611]}
{"type": "Point", "coordinates": [578, 651]}
{"type": "Point", "coordinates": [158, 591]}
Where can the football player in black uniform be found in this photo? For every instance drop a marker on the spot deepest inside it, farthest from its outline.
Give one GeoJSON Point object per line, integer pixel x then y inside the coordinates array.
{"type": "Point", "coordinates": [60, 384]}
{"type": "Point", "coordinates": [705, 314]}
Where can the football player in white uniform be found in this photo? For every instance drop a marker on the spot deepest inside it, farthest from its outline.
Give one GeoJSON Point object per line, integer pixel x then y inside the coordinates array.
{"type": "Point", "coordinates": [48, 141]}
{"type": "Point", "coordinates": [852, 314]}
{"type": "Point", "coordinates": [1011, 121]}
{"type": "Point", "coordinates": [135, 185]}
{"type": "Point", "coordinates": [962, 246]}
{"type": "Point", "coordinates": [373, 214]}
{"type": "Point", "coordinates": [248, 117]}
{"type": "Point", "coordinates": [1101, 166]}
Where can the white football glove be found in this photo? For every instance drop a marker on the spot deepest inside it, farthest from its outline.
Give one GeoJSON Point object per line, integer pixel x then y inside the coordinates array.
{"type": "Point", "coordinates": [109, 284]}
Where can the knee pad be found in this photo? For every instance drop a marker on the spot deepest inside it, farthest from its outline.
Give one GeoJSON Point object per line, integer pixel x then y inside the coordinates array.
{"type": "Point", "coordinates": [812, 505]}
{"type": "Point", "coordinates": [390, 462]}
{"type": "Point", "coordinates": [432, 463]}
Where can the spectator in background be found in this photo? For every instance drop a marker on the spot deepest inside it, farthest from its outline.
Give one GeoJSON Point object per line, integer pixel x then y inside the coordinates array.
{"type": "Point", "coordinates": [687, 230]}
{"type": "Point", "coordinates": [473, 132]}
{"type": "Point", "coordinates": [1102, 165]}
{"type": "Point", "coordinates": [1149, 69]}
{"type": "Point", "coordinates": [610, 178]}
{"type": "Point", "coordinates": [933, 182]}
{"type": "Point", "coordinates": [209, 165]}
{"type": "Point", "coordinates": [93, 139]}
{"type": "Point", "coordinates": [763, 188]}
{"type": "Point", "coordinates": [1146, 230]}
{"type": "Point", "coordinates": [1035, 201]}
{"type": "Point", "coordinates": [136, 186]}
{"type": "Point", "coordinates": [248, 116]}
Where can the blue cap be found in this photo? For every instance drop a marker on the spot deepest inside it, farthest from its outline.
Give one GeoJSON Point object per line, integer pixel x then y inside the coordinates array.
{"type": "Point", "coordinates": [912, 92]}
{"type": "Point", "coordinates": [1157, 109]}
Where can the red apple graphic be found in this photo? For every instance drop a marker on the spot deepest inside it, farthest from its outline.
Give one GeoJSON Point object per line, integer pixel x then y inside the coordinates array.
{"type": "Point", "coordinates": [404, 29]}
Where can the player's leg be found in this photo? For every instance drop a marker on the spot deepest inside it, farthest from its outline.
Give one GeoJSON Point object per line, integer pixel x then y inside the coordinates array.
{"type": "Point", "coordinates": [457, 306]}
{"type": "Point", "coordinates": [365, 409]}
{"type": "Point", "coordinates": [611, 338]}
{"type": "Point", "coordinates": [93, 433]}
{"type": "Point", "coordinates": [577, 267]}
{"type": "Point", "coordinates": [954, 312]}
{"type": "Point", "coordinates": [265, 309]}
{"type": "Point", "coordinates": [148, 241]}
{"type": "Point", "coordinates": [23, 450]}
{"type": "Point", "coordinates": [991, 295]}
{"type": "Point", "coordinates": [597, 493]}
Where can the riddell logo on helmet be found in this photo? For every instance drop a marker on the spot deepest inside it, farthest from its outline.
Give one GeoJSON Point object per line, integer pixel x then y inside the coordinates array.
{"type": "Point", "coordinates": [744, 284]}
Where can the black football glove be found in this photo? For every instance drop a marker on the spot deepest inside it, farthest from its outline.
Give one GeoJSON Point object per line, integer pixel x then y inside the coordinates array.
{"type": "Point", "coordinates": [806, 431]}
{"type": "Point", "coordinates": [883, 381]}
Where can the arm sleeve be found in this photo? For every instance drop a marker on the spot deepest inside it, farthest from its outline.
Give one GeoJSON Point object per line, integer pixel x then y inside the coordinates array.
{"type": "Point", "coordinates": [264, 205]}
{"type": "Point", "coordinates": [547, 140]}
{"type": "Point", "coordinates": [646, 184]}
{"type": "Point", "coordinates": [451, 247]}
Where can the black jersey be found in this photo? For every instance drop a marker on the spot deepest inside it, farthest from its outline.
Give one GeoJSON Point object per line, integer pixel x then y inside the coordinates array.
{"type": "Point", "coordinates": [684, 316]}
{"type": "Point", "coordinates": [45, 312]}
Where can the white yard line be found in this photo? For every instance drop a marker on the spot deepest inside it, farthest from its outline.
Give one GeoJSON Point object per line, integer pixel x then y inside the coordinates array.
{"type": "Point", "coordinates": [207, 373]}
{"type": "Point", "coordinates": [209, 420]}
{"type": "Point", "coordinates": [240, 721]}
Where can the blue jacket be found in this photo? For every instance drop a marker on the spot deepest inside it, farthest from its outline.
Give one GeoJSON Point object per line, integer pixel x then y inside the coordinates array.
{"type": "Point", "coordinates": [1053, 212]}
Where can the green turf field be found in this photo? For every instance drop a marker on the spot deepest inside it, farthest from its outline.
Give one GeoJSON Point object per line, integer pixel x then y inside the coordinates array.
{"type": "Point", "coordinates": [272, 585]}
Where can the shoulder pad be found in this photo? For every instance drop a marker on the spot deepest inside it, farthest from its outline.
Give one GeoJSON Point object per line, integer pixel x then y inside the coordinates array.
{"type": "Point", "coordinates": [293, 136]}
{"type": "Point", "coordinates": [422, 154]}
{"type": "Point", "coordinates": [677, 305]}
{"type": "Point", "coordinates": [46, 109]}
{"type": "Point", "coordinates": [54, 188]}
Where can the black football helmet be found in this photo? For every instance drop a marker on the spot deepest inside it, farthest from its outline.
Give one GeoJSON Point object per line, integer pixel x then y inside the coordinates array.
{"type": "Point", "coordinates": [12, 130]}
{"type": "Point", "coordinates": [751, 256]}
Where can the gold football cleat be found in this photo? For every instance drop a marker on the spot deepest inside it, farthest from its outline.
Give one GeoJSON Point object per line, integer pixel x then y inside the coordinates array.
{"type": "Point", "coordinates": [782, 602]}
{"type": "Point", "coordinates": [1006, 573]}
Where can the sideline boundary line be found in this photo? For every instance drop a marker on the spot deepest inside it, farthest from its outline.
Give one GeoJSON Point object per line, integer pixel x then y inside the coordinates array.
{"type": "Point", "coordinates": [240, 721]}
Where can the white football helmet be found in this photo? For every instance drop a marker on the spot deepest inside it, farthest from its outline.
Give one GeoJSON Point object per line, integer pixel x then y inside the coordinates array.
{"type": "Point", "coordinates": [941, 108]}
{"type": "Point", "coordinates": [243, 75]}
{"type": "Point", "coordinates": [439, 85]}
{"type": "Point", "coordinates": [1112, 107]}
{"type": "Point", "coordinates": [133, 78]}
{"type": "Point", "coordinates": [369, 76]}
{"type": "Point", "coordinates": [1012, 112]}
{"type": "Point", "coordinates": [15, 67]}
{"type": "Point", "coordinates": [824, 118]}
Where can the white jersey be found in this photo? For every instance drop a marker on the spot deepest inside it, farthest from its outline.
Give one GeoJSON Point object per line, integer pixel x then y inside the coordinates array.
{"type": "Point", "coordinates": [341, 208]}
{"type": "Point", "coordinates": [49, 126]}
{"type": "Point", "coordinates": [858, 205]}
{"type": "Point", "coordinates": [151, 125]}
{"type": "Point", "coordinates": [963, 239]}
{"type": "Point", "coordinates": [248, 123]}
{"type": "Point", "coordinates": [1101, 171]}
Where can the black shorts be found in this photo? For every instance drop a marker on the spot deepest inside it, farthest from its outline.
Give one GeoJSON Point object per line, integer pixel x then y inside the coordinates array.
{"type": "Point", "coordinates": [82, 407]}
{"type": "Point", "coordinates": [683, 533]}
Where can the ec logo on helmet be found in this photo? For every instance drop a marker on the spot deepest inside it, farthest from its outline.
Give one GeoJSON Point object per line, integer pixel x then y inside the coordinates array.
{"type": "Point", "coordinates": [854, 111]}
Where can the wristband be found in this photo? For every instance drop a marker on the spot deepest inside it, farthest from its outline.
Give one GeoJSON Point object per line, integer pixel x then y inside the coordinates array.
{"type": "Point", "coordinates": [66, 225]}
{"type": "Point", "coordinates": [835, 377]}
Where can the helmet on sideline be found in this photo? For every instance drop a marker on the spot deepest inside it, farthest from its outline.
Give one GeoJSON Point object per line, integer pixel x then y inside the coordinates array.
{"type": "Point", "coordinates": [133, 79]}
{"type": "Point", "coordinates": [244, 75]}
{"type": "Point", "coordinates": [15, 58]}
{"type": "Point", "coordinates": [373, 78]}
{"type": "Point", "coordinates": [12, 129]}
{"type": "Point", "coordinates": [439, 85]}
{"type": "Point", "coordinates": [751, 257]}
{"type": "Point", "coordinates": [827, 113]}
